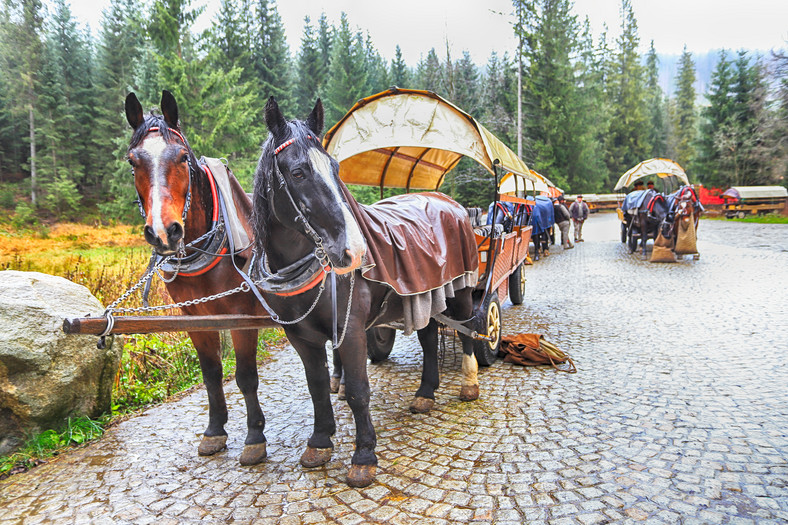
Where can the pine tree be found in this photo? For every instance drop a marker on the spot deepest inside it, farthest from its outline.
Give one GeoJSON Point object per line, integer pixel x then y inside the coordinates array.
{"type": "Point", "coordinates": [347, 72]}
{"type": "Point", "coordinates": [656, 105]}
{"type": "Point", "coordinates": [232, 36]}
{"type": "Point", "coordinates": [627, 137]}
{"type": "Point", "coordinates": [21, 56]}
{"type": "Point", "coordinates": [714, 118]}
{"type": "Point", "coordinates": [685, 110]}
{"type": "Point", "coordinates": [121, 55]}
{"type": "Point", "coordinates": [429, 73]}
{"type": "Point", "coordinates": [170, 20]}
{"type": "Point", "coordinates": [748, 144]}
{"type": "Point", "coordinates": [377, 70]}
{"type": "Point", "coordinates": [271, 56]}
{"type": "Point", "coordinates": [557, 90]}
{"type": "Point", "coordinates": [400, 75]}
{"type": "Point", "coordinates": [68, 97]}
{"type": "Point", "coordinates": [309, 71]}
{"type": "Point", "coordinates": [325, 41]}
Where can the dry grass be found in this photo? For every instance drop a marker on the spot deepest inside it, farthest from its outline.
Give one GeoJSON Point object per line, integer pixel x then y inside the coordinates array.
{"type": "Point", "coordinates": [105, 259]}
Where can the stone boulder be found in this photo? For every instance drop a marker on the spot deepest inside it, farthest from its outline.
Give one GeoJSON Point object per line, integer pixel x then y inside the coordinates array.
{"type": "Point", "coordinates": [47, 376]}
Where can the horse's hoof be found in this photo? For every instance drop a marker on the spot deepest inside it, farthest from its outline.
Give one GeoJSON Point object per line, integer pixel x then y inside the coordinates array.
{"type": "Point", "coordinates": [210, 445]}
{"type": "Point", "coordinates": [315, 457]}
{"type": "Point", "coordinates": [360, 476]}
{"type": "Point", "coordinates": [253, 454]}
{"type": "Point", "coordinates": [334, 384]}
{"type": "Point", "coordinates": [341, 392]}
{"type": "Point", "coordinates": [469, 393]}
{"type": "Point", "coordinates": [421, 405]}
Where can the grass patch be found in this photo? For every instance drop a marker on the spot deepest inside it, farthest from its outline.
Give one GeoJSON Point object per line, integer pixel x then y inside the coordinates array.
{"type": "Point", "coordinates": [50, 443]}
{"type": "Point", "coordinates": [771, 218]}
{"type": "Point", "coordinates": [108, 260]}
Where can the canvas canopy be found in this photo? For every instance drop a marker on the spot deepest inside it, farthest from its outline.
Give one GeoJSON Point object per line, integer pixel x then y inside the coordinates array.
{"type": "Point", "coordinates": [511, 184]}
{"type": "Point", "coordinates": [404, 138]}
{"type": "Point", "coordinates": [648, 168]}
{"type": "Point", "coordinates": [755, 192]}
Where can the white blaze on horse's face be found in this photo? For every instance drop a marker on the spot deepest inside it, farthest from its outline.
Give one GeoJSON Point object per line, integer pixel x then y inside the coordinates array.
{"type": "Point", "coordinates": [356, 246]}
{"type": "Point", "coordinates": [155, 147]}
{"type": "Point", "coordinates": [154, 180]}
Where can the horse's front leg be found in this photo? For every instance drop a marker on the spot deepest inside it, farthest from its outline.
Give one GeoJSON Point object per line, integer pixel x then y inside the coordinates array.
{"type": "Point", "coordinates": [424, 399]}
{"type": "Point", "coordinates": [245, 344]}
{"type": "Point", "coordinates": [353, 352]}
{"type": "Point", "coordinates": [319, 446]}
{"type": "Point", "coordinates": [337, 376]}
{"type": "Point", "coordinates": [209, 352]}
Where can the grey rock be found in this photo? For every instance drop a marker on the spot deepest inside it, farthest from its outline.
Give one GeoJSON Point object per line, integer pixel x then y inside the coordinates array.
{"type": "Point", "coordinates": [47, 376]}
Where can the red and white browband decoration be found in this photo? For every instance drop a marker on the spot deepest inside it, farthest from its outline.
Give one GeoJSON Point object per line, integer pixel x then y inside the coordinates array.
{"type": "Point", "coordinates": [173, 130]}
{"type": "Point", "coordinates": [286, 144]}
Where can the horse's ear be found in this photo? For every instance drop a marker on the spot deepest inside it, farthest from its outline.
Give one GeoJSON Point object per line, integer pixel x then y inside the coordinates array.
{"type": "Point", "coordinates": [169, 108]}
{"type": "Point", "coordinates": [274, 119]}
{"type": "Point", "coordinates": [134, 114]}
{"type": "Point", "coordinates": [315, 119]}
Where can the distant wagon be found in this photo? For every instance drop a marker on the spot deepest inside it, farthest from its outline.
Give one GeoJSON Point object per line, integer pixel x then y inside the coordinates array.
{"type": "Point", "coordinates": [741, 201]}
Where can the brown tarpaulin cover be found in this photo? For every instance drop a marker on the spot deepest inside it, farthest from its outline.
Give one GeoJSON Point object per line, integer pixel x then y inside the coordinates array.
{"type": "Point", "coordinates": [416, 242]}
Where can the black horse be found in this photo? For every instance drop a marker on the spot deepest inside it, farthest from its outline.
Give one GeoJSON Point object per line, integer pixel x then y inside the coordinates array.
{"type": "Point", "coordinates": [310, 246]}
{"type": "Point", "coordinates": [644, 213]}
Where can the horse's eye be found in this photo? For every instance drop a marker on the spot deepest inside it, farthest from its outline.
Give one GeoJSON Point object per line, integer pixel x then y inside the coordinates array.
{"type": "Point", "coordinates": [130, 161]}
{"type": "Point", "coordinates": [297, 173]}
{"type": "Point", "coordinates": [185, 158]}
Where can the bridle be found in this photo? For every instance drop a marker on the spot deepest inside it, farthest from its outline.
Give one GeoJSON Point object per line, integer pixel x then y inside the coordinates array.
{"type": "Point", "coordinates": [306, 273]}
{"type": "Point", "coordinates": [310, 270]}
{"type": "Point", "coordinates": [189, 154]}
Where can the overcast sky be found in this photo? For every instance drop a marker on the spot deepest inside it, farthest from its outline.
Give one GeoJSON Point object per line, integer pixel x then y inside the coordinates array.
{"type": "Point", "coordinates": [483, 26]}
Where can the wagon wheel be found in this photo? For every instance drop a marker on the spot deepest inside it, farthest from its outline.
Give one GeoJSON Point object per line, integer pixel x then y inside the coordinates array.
{"type": "Point", "coordinates": [488, 322]}
{"type": "Point", "coordinates": [632, 241]}
{"type": "Point", "coordinates": [380, 341]}
{"type": "Point", "coordinates": [517, 285]}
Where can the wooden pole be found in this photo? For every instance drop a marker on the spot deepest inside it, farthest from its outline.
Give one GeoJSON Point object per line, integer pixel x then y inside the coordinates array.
{"type": "Point", "coordinates": [166, 323]}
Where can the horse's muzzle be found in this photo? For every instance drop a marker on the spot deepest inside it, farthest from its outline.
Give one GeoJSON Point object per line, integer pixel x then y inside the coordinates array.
{"type": "Point", "coordinates": [174, 234]}
{"type": "Point", "coordinates": [355, 262]}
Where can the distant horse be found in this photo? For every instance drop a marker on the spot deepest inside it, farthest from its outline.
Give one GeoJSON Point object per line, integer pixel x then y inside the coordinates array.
{"type": "Point", "coordinates": [179, 200]}
{"type": "Point", "coordinates": [683, 206]}
{"type": "Point", "coordinates": [318, 253]}
{"type": "Point", "coordinates": [644, 211]}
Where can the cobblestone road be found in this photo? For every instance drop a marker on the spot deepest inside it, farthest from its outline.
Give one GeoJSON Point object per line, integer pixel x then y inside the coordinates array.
{"type": "Point", "coordinates": [678, 414]}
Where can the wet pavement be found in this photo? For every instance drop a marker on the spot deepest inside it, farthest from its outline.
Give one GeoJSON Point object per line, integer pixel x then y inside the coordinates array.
{"type": "Point", "coordinates": [678, 414]}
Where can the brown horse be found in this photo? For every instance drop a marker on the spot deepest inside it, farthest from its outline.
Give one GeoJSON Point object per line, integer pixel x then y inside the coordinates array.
{"type": "Point", "coordinates": [181, 204]}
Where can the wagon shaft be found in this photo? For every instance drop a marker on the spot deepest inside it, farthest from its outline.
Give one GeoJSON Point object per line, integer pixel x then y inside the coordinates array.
{"type": "Point", "coordinates": [170, 323]}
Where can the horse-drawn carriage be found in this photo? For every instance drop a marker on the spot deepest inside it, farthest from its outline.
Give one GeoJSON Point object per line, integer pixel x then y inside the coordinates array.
{"type": "Point", "coordinates": [323, 266]}
{"type": "Point", "coordinates": [740, 201]}
{"type": "Point", "coordinates": [664, 217]}
{"type": "Point", "coordinates": [411, 139]}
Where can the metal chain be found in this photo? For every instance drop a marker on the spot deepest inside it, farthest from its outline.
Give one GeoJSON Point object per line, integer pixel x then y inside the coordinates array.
{"type": "Point", "coordinates": [347, 313]}
{"type": "Point", "coordinates": [309, 311]}
{"type": "Point", "coordinates": [155, 269]}
{"type": "Point", "coordinates": [243, 287]}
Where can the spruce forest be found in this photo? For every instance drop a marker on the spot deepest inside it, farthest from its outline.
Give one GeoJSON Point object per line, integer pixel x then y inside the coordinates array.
{"type": "Point", "coordinates": [591, 106]}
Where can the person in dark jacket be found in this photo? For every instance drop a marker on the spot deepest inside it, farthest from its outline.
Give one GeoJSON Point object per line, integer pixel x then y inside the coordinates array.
{"type": "Point", "coordinates": [579, 212]}
{"type": "Point", "coordinates": [562, 218]}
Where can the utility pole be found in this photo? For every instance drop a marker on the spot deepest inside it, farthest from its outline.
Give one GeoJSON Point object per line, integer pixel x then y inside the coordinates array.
{"type": "Point", "coordinates": [520, 80]}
